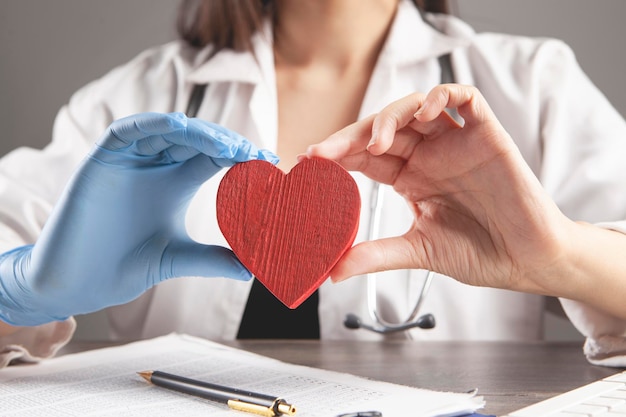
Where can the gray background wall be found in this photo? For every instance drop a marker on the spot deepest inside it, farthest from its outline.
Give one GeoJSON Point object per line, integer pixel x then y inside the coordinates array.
{"type": "Point", "coordinates": [51, 48]}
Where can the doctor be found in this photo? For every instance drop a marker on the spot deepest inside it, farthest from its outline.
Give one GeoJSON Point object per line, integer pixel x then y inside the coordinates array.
{"type": "Point", "coordinates": [283, 89]}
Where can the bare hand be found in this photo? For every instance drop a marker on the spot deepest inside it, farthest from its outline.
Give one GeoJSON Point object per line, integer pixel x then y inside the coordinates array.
{"type": "Point", "coordinates": [481, 215]}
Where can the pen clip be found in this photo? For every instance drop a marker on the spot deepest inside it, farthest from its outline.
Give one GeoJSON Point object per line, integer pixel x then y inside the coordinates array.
{"type": "Point", "coordinates": [251, 408]}
{"type": "Point", "coordinates": [278, 408]}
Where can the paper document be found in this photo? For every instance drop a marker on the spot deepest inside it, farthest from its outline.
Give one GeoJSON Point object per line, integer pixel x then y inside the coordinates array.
{"type": "Point", "coordinates": [104, 383]}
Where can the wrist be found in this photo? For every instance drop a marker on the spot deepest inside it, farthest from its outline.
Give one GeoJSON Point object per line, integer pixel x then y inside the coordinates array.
{"type": "Point", "coordinates": [592, 269]}
{"type": "Point", "coordinates": [7, 329]}
{"type": "Point", "coordinates": [543, 266]}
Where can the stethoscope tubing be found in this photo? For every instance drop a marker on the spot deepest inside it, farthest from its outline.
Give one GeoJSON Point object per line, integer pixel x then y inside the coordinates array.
{"type": "Point", "coordinates": [376, 205]}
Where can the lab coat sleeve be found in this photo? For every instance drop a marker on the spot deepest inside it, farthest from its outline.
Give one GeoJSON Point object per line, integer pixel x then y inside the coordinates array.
{"type": "Point", "coordinates": [32, 344]}
{"type": "Point", "coordinates": [606, 335]}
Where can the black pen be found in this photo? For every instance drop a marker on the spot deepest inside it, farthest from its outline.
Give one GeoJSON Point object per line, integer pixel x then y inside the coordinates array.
{"type": "Point", "coordinates": [237, 399]}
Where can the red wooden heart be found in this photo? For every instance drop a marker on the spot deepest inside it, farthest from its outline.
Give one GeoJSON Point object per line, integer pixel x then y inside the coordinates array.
{"type": "Point", "coordinates": [289, 230]}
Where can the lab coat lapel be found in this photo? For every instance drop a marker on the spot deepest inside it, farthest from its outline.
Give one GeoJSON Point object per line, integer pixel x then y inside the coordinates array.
{"type": "Point", "coordinates": [408, 61]}
{"type": "Point", "coordinates": [412, 39]}
{"type": "Point", "coordinates": [255, 69]}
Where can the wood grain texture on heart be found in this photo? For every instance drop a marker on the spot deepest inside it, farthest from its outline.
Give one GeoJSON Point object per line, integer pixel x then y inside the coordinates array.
{"type": "Point", "coordinates": [290, 229]}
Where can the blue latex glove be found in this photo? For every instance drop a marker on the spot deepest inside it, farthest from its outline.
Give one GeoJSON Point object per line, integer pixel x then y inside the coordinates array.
{"type": "Point", "coordinates": [119, 227]}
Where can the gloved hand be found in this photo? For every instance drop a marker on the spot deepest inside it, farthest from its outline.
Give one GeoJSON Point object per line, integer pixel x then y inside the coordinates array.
{"type": "Point", "coordinates": [119, 227]}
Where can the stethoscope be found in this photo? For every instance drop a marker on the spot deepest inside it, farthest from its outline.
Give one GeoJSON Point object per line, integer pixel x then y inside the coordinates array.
{"type": "Point", "coordinates": [352, 321]}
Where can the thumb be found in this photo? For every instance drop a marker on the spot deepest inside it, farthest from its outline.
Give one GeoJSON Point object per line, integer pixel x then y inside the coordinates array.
{"type": "Point", "coordinates": [190, 259]}
{"type": "Point", "coordinates": [375, 256]}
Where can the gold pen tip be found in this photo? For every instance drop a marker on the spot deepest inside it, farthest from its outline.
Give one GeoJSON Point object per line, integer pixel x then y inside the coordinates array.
{"type": "Point", "coordinates": [285, 408]}
{"type": "Point", "coordinates": [145, 375]}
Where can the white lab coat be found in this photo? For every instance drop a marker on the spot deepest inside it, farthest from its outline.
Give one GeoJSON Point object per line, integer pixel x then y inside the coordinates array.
{"type": "Point", "coordinates": [571, 137]}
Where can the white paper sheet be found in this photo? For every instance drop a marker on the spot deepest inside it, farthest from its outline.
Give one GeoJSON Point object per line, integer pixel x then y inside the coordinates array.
{"type": "Point", "coordinates": [104, 383]}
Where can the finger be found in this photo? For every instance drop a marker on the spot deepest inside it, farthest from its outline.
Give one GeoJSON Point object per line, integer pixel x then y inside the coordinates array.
{"type": "Point", "coordinates": [402, 144]}
{"type": "Point", "coordinates": [183, 138]}
{"type": "Point", "coordinates": [123, 132]}
{"type": "Point", "coordinates": [384, 168]}
{"type": "Point", "coordinates": [375, 256]}
{"type": "Point", "coordinates": [212, 140]}
{"type": "Point", "coordinates": [468, 100]}
{"type": "Point", "coordinates": [219, 142]}
{"type": "Point", "coordinates": [392, 118]}
{"type": "Point", "coordinates": [185, 153]}
{"type": "Point", "coordinates": [200, 167]}
{"type": "Point", "coordinates": [192, 259]}
{"type": "Point", "coordinates": [347, 141]}
{"type": "Point", "coordinates": [399, 117]}
{"type": "Point", "coordinates": [225, 146]}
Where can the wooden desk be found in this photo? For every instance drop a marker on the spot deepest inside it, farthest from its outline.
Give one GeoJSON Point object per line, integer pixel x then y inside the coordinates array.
{"type": "Point", "coordinates": [509, 375]}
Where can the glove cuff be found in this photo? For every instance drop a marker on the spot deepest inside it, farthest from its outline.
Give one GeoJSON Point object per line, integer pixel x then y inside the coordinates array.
{"type": "Point", "coordinates": [17, 304]}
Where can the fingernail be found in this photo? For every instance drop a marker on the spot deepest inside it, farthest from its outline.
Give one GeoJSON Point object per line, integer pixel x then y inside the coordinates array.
{"type": "Point", "coordinates": [419, 111]}
{"type": "Point", "coordinates": [375, 136]}
{"type": "Point", "coordinates": [372, 142]}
